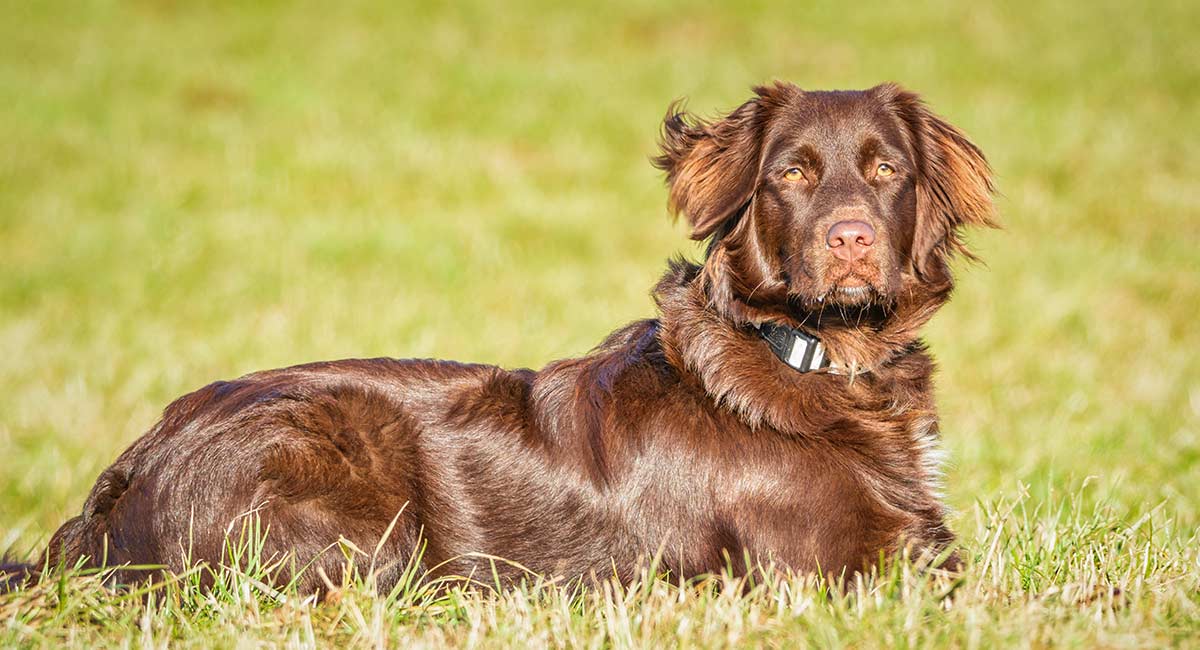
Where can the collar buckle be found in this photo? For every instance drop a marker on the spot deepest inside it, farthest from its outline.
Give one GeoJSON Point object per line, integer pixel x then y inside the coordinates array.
{"type": "Point", "coordinates": [800, 350]}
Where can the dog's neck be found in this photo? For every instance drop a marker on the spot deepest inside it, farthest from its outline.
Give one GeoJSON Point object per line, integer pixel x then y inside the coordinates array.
{"type": "Point", "coordinates": [720, 345]}
{"type": "Point", "coordinates": [855, 340]}
{"type": "Point", "coordinates": [801, 351]}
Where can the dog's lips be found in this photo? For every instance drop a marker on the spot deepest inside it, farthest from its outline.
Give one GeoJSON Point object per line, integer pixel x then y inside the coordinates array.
{"type": "Point", "coordinates": [854, 295]}
{"type": "Point", "coordinates": [851, 289]}
{"type": "Point", "coordinates": [852, 282]}
{"type": "Point", "coordinates": [859, 290]}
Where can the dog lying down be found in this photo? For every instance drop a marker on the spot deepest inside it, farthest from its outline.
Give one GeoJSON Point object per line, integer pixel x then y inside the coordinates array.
{"type": "Point", "coordinates": [779, 410]}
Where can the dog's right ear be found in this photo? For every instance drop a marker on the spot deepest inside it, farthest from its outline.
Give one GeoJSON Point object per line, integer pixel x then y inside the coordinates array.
{"type": "Point", "coordinates": [713, 167]}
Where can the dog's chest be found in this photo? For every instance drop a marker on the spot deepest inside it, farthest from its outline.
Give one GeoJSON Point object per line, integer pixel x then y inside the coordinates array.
{"type": "Point", "coordinates": [830, 499]}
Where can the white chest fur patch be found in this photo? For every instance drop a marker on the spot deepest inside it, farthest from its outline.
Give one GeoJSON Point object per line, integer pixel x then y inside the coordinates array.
{"type": "Point", "coordinates": [932, 456]}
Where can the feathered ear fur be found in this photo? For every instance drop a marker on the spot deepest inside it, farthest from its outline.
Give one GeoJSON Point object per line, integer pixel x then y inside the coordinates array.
{"type": "Point", "coordinates": [713, 167]}
{"type": "Point", "coordinates": [954, 184]}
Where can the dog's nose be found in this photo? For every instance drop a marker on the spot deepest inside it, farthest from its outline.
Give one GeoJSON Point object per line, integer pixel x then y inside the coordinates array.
{"type": "Point", "coordinates": [850, 240]}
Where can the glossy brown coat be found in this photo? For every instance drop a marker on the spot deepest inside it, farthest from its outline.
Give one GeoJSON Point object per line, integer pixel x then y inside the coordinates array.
{"type": "Point", "coordinates": [682, 436]}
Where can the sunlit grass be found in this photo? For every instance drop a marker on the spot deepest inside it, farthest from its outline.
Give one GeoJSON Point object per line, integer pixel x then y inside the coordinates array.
{"type": "Point", "coordinates": [1041, 574]}
{"type": "Point", "coordinates": [192, 191]}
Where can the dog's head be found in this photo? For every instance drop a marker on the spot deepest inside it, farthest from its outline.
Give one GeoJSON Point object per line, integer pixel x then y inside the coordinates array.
{"type": "Point", "coordinates": [815, 199]}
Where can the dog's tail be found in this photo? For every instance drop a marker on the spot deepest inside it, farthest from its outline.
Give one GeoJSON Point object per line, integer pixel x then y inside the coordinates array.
{"type": "Point", "coordinates": [14, 575]}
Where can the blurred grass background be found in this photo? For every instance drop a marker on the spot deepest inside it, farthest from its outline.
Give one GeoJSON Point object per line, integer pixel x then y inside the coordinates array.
{"type": "Point", "coordinates": [192, 191]}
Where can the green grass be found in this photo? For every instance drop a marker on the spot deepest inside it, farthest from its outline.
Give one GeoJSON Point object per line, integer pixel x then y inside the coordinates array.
{"type": "Point", "coordinates": [191, 191]}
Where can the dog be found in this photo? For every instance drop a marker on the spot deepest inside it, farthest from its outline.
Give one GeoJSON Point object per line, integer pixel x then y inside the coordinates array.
{"type": "Point", "coordinates": [778, 412]}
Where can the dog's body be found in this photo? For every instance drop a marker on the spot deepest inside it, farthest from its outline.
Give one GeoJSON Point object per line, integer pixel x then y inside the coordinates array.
{"type": "Point", "coordinates": [684, 436]}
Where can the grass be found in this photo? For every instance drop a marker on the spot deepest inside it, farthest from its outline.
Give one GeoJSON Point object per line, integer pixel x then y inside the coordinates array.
{"type": "Point", "coordinates": [191, 192]}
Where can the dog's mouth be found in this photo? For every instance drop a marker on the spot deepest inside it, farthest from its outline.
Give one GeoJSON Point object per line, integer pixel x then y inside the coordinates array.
{"type": "Point", "coordinates": [852, 289]}
{"type": "Point", "coordinates": [847, 292]}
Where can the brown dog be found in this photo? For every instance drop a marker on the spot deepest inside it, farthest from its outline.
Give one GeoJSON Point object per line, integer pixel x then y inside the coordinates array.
{"type": "Point", "coordinates": [780, 409]}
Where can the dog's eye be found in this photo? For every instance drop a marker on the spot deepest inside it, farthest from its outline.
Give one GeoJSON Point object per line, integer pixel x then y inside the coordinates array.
{"type": "Point", "coordinates": [884, 169]}
{"type": "Point", "coordinates": [793, 174]}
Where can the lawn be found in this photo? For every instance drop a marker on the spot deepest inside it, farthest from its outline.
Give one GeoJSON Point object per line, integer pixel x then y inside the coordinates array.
{"type": "Point", "coordinates": [192, 191]}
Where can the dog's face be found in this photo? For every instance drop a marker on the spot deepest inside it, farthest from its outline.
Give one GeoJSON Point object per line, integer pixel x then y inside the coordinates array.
{"type": "Point", "coordinates": [835, 198]}
{"type": "Point", "coordinates": [825, 198]}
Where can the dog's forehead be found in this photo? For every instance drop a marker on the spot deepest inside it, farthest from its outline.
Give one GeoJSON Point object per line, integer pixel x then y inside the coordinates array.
{"type": "Point", "coordinates": [835, 119]}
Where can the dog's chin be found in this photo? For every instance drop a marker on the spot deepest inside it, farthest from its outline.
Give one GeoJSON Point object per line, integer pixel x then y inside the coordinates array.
{"type": "Point", "coordinates": [852, 296]}
{"type": "Point", "coordinates": [836, 299]}
{"type": "Point", "coordinates": [849, 291]}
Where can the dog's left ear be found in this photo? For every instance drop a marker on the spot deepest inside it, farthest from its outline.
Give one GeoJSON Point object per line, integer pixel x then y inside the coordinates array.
{"type": "Point", "coordinates": [713, 167]}
{"type": "Point", "coordinates": [954, 183]}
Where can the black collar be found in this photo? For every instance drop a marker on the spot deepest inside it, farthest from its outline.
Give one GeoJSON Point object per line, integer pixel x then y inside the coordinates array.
{"type": "Point", "coordinates": [801, 351]}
